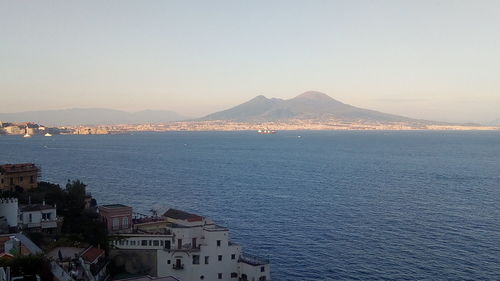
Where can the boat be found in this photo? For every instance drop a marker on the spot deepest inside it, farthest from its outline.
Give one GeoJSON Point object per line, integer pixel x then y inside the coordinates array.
{"type": "Point", "coordinates": [266, 131]}
{"type": "Point", "coordinates": [48, 135]}
{"type": "Point", "coordinates": [27, 135]}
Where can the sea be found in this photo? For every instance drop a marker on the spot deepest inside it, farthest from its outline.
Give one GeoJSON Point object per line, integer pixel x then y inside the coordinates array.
{"type": "Point", "coordinates": [321, 205]}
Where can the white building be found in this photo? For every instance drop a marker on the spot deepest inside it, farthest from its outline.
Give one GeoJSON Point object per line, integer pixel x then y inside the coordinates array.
{"type": "Point", "coordinates": [190, 247]}
{"type": "Point", "coordinates": [40, 216]}
{"type": "Point", "coordinates": [9, 210]}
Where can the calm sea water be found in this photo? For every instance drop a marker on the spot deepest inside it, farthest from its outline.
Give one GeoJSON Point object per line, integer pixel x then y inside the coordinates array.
{"type": "Point", "coordinates": [325, 206]}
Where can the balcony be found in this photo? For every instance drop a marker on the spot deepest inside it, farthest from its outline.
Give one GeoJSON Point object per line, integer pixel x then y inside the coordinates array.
{"type": "Point", "coordinates": [49, 224]}
{"type": "Point", "coordinates": [185, 248]}
{"type": "Point", "coordinates": [178, 266]}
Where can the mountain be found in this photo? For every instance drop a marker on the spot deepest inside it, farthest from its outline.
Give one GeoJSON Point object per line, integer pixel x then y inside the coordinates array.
{"type": "Point", "coordinates": [309, 105]}
{"type": "Point", "coordinates": [495, 123]}
{"type": "Point", "coordinates": [91, 116]}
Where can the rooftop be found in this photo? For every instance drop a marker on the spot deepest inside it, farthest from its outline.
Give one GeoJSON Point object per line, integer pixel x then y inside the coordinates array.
{"type": "Point", "coordinates": [149, 278]}
{"type": "Point", "coordinates": [253, 260]}
{"type": "Point", "coordinates": [67, 253]}
{"type": "Point", "coordinates": [92, 254]}
{"type": "Point", "coordinates": [181, 215]}
{"type": "Point", "coordinates": [115, 206]}
{"type": "Point", "coordinates": [35, 207]}
{"type": "Point", "coordinates": [18, 168]}
{"type": "Point", "coordinates": [25, 241]}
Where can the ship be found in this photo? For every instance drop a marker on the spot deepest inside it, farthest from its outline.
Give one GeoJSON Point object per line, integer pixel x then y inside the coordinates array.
{"type": "Point", "coordinates": [266, 131]}
{"type": "Point", "coordinates": [48, 135]}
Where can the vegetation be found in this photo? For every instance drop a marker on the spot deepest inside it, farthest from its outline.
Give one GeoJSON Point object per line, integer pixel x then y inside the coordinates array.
{"type": "Point", "coordinates": [28, 266]}
{"type": "Point", "coordinates": [81, 225]}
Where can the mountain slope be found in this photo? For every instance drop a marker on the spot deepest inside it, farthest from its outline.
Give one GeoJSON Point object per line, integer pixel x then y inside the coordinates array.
{"type": "Point", "coordinates": [495, 122]}
{"type": "Point", "coordinates": [90, 116]}
{"type": "Point", "coordinates": [309, 105]}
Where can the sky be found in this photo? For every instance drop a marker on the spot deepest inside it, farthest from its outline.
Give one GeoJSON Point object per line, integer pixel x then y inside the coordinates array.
{"type": "Point", "coordinates": [437, 60]}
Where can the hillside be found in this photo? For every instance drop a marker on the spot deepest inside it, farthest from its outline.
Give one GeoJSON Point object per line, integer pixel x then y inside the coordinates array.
{"type": "Point", "coordinates": [309, 105]}
{"type": "Point", "coordinates": [91, 116]}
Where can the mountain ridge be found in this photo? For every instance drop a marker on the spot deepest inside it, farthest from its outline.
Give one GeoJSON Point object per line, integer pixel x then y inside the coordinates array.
{"type": "Point", "coordinates": [308, 105]}
{"type": "Point", "coordinates": [91, 116]}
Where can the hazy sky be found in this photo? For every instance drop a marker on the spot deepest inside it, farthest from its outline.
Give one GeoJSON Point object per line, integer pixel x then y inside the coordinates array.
{"type": "Point", "coordinates": [427, 59]}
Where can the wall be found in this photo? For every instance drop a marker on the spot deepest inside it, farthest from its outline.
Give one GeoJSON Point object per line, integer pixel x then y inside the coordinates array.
{"type": "Point", "coordinates": [22, 179]}
{"type": "Point", "coordinates": [135, 261]}
{"type": "Point", "coordinates": [208, 247]}
{"type": "Point", "coordinates": [254, 273]}
{"type": "Point", "coordinates": [109, 213]}
{"type": "Point", "coordinates": [9, 209]}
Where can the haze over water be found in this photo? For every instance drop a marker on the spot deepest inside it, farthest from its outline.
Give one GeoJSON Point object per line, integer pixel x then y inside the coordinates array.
{"type": "Point", "coordinates": [329, 205]}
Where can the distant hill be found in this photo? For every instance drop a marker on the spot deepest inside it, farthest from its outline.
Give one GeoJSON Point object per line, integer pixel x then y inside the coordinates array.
{"type": "Point", "coordinates": [91, 116]}
{"type": "Point", "coordinates": [495, 123]}
{"type": "Point", "coordinates": [309, 105]}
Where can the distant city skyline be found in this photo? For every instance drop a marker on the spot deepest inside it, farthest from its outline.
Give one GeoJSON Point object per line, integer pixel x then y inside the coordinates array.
{"type": "Point", "coordinates": [436, 60]}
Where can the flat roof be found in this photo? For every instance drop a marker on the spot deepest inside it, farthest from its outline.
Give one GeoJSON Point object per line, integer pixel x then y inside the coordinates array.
{"type": "Point", "coordinates": [18, 168]}
{"type": "Point", "coordinates": [35, 207]}
{"type": "Point", "coordinates": [181, 215]}
{"type": "Point", "coordinates": [111, 206]}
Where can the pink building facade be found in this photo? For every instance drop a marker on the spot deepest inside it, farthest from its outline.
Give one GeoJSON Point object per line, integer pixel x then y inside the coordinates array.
{"type": "Point", "coordinates": [118, 217]}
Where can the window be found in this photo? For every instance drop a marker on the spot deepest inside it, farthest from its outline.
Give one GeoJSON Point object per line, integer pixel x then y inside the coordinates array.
{"type": "Point", "coordinates": [206, 259]}
{"type": "Point", "coordinates": [11, 181]}
{"type": "Point", "coordinates": [30, 218]}
{"type": "Point", "coordinates": [156, 243]}
{"type": "Point", "coordinates": [220, 257]}
{"type": "Point", "coordinates": [220, 275]}
{"type": "Point", "coordinates": [20, 179]}
{"type": "Point", "coordinates": [144, 242]}
{"type": "Point", "coordinates": [150, 243]}
{"type": "Point", "coordinates": [233, 256]}
{"type": "Point", "coordinates": [132, 242]}
{"type": "Point", "coordinates": [262, 269]}
{"type": "Point", "coordinates": [218, 243]}
{"type": "Point", "coordinates": [168, 261]}
{"type": "Point", "coordinates": [115, 224]}
{"type": "Point", "coordinates": [196, 259]}
{"type": "Point", "coordinates": [234, 275]}
{"type": "Point", "coordinates": [124, 222]}
{"type": "Point", "coordinates": [32, 180]}
{"type": "Point", "coordinates": [262, 278]}
{"type": "Point", "coordinates": [202, 277]}
{"type": "Point", "coordinates": [161, 243]}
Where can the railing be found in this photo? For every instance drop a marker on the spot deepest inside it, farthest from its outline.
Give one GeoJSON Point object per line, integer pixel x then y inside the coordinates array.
{"type": "Point", "coordinates": [33, 224]}
{"type": "Point", "coordinates": [178, 266]}
{"type": "Point", "coordinates": [253, 260]}
{"type": "Point", "coordinates": [49, 224]}
{"type": "Point", "coordinates": [183, 249]}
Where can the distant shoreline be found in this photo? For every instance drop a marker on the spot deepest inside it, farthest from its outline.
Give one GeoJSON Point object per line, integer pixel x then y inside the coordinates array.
{"type": "Point", "coordinates": [159, 128]}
